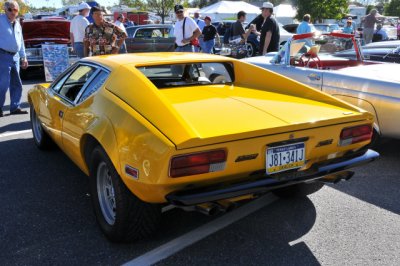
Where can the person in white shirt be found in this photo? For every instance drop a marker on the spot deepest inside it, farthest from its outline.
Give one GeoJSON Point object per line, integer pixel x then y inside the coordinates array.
{"type": "Point", "coordinates": [77, 28]}
{"type": "Point", "coordinates": [184, 37]}
{"type": "Point", "coordinates": [120, 23]}
{"type": "Point", "coordinates": [201, 23]}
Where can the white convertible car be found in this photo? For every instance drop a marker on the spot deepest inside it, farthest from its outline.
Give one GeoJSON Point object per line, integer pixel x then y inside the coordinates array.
{"type": "Point", "coordinates": [373, 86]}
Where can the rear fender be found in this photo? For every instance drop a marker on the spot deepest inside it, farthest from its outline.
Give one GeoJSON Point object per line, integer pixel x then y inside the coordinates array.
{"type": "Point", "coordinates": [364, 104]}
{"type": "Point", "coordinates": [100, 133]}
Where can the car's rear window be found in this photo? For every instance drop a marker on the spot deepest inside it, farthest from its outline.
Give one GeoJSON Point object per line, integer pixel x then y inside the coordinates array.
{"type": "Point", "coordinates": [189, 74]}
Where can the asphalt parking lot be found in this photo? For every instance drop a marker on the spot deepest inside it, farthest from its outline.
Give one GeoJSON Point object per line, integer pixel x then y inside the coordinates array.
{"type": "Point", "coordinates": [46, 217]}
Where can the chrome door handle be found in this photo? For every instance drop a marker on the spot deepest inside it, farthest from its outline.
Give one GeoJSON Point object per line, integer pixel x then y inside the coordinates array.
{"type": "Point", "coordinates": [314, 76]}
{"type": "Point", "coordinates": [61, 114]}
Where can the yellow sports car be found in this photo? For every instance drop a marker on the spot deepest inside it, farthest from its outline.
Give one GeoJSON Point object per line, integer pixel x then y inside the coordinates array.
{"type": "Point", "coordinates": [193, 130]}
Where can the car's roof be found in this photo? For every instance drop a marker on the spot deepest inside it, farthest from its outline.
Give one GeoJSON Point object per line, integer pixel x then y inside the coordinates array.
{"type": "Point", "coordinates": [143, 59]}
{"type": "Point", "coordinates": [150, 26]}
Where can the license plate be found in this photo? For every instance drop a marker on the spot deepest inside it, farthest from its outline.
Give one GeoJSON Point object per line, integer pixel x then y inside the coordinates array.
{"type": "Point", "coordinates": [285, 157]}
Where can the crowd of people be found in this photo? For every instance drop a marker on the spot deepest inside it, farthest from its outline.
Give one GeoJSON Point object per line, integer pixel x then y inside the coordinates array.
{"type": "Point", "coordinates": [264, 30]}
{"type": "Point", "coordinates": [191, 35]}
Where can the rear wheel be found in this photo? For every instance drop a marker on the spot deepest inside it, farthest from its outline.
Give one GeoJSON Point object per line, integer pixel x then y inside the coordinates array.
{"type": "Point", "coordinates": [121, 215]}
{"type": "Point", "coordinates": [42, 140]}
{"type": "Point", "coordinates": [298, 190]}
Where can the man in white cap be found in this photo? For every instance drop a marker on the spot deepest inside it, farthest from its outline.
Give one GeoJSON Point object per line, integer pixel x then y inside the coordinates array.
{"type": "Point", "coordinates": [269, 39]}
{"type": "Point", "coordinates": [77, 28]}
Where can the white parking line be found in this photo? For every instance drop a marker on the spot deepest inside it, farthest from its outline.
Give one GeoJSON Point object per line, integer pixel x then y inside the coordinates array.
{"type": "Point", "coordinates": [176, 245]}
{"type": "Point", "coordinates": [9, 134]}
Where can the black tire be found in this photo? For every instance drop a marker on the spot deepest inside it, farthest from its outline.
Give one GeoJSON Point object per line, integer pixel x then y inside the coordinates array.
{"type": "Point", "coordinates": [251, 49]}
{"type": "Point", "coordinates": [375, 140]}
{"type": "Point", "coordinates": [40, 137]}
{"type": "Point", "coordinates": [121, 215]}
{"type": "Point", "coordinates": [298, 190]}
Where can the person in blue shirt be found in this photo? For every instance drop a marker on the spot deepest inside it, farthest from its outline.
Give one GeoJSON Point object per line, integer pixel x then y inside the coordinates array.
{"type": "Point", "coordinates": [348, 28]}
{"type": "Point", "coordinates": [12, 53]}
{"type": "Point", "coordinates": [304, 26]}
{"type": "Point", "coordinates": [382, 33]}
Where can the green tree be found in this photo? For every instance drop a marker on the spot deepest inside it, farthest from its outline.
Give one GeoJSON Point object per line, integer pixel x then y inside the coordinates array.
{"type": "Point", "coordinates": [392, 8]}
{"type": "Point", "coordinates": [322, 9]}
{"type": "Point", "coordinates": [23, 8]}
{"type": "Point", "coordinates": [161, 7]}
{"type": "Point", "coordinates": [138, 4]}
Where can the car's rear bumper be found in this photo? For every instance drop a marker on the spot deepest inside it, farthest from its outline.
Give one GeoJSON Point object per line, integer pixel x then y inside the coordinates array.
{"type": "Point", "coordinates": [334, 169]}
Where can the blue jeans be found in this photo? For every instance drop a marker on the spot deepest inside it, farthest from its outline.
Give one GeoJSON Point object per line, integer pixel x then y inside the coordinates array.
{"type": "Point", "coordinates": [207, 46]}
{"type": "Point", "coordinates": [9, 79]}
{"type": "Point", "coordinates": [122, 49]}
{"type": "Point", "coordinates": [78, 48]}
{"type": "Point", "coordinates": [187, 48]}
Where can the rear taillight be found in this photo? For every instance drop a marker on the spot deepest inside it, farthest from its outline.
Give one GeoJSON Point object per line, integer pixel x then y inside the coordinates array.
{"type": "Point", "coordinates": [197, 163]}
{"type": "Point", "coordinates": [356, 134]}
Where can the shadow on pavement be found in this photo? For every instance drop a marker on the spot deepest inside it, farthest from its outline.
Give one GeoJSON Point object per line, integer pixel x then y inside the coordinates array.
{"type": "Point", "coordinates": [378, 183]}
{"type": "Point", "coordinates": [46, 216]}
{"type": "Point", "coordinates": [23, 106]}
{"type": "Point", "coordinates": [260, 239]}
{"type": "Point", "coordinates": [15, 127]}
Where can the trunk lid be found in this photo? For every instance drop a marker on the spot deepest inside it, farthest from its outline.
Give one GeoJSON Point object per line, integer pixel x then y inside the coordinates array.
{"type": "Point", "coordinates": [223, 113]}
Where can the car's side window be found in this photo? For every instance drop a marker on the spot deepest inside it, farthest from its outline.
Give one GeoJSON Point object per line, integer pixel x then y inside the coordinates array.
{"type": "Point", "coordinates": [75, 82]}
{"type": "Point", "coordinates": [59, 84]}
{"type": "Point", "coordinates": [144, 33]}
{"type": "Point", "coordinates": [94, 85]}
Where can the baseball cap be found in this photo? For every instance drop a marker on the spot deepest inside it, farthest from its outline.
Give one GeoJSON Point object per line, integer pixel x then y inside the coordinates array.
{"type": "Point", "coordinates": [207, 17]}
{"type": "Point", "coordinates": [97, 8]}
{"type": "Point", "coordinates": [267, 5]}
{"type": "Point", "coordinates": [83, 5]}
{"type": "Point", "coordinates": [178, 8]}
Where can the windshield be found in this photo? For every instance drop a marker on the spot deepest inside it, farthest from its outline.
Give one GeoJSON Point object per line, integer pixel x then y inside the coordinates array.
{"type": "Point", "coordinates": [323, 46]}
{"type": "Point", "coordinates": [189, 74]}
{"type": "Point", "coordinates": [327, 28]}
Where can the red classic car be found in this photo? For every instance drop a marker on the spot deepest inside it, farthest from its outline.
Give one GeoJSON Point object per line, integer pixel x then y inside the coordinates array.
{"type": "Point", "coordinates": [44, 31]}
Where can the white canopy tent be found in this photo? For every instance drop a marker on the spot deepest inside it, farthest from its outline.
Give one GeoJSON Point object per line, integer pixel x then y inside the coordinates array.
{"type": "Point", "coordinates": [285, 14]}
{"type": "Point", "coordinates": [228, 10]}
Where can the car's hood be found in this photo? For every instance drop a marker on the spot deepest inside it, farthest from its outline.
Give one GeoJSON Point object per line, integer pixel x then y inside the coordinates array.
{"type": "Point", "coordinates": [236, 113]}
{"type": "Point", "coordinates": [388, 72]}
{"type": "Point", "coordinates": [41, 31]}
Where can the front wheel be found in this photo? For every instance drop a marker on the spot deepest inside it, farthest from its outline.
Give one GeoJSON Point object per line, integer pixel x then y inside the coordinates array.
{"type": "Point", "coordinates": [121, 215]}
{"type": "Point", "coordinates": [40, 137]}
{"type": "Point", "coordinates": [298, 190]}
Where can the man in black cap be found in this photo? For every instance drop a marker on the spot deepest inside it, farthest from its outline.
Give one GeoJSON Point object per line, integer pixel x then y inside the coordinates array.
{"type": "Point", "coordinates": [102, 37]}
{"type": "Point", "coordinates": [186, 31]}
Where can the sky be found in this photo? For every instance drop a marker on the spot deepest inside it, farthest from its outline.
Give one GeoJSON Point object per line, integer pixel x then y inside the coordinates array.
{"type": "Point", "coordinates": [58, 3]}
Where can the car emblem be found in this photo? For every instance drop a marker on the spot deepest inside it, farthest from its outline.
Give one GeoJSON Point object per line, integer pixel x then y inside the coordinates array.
{"type": "Point", "coordinates": [324, 142]}
{"type": "Point", "coordinates": [291, 136]}
{"type": "Point", "coordinates": [246, 157]}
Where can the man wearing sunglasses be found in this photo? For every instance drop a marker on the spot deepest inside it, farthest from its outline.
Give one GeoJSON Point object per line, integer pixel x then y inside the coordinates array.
{"type": "Point", "coordinates": [12, 53]}
{"type": "Point", "coordinates": [185, 30]}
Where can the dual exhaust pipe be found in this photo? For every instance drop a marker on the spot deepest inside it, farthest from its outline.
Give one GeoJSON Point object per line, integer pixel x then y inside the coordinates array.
{"type": "Point", "coordinates": [211, 208]}
{"type": "Point", "coordinates": [222, 206]}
